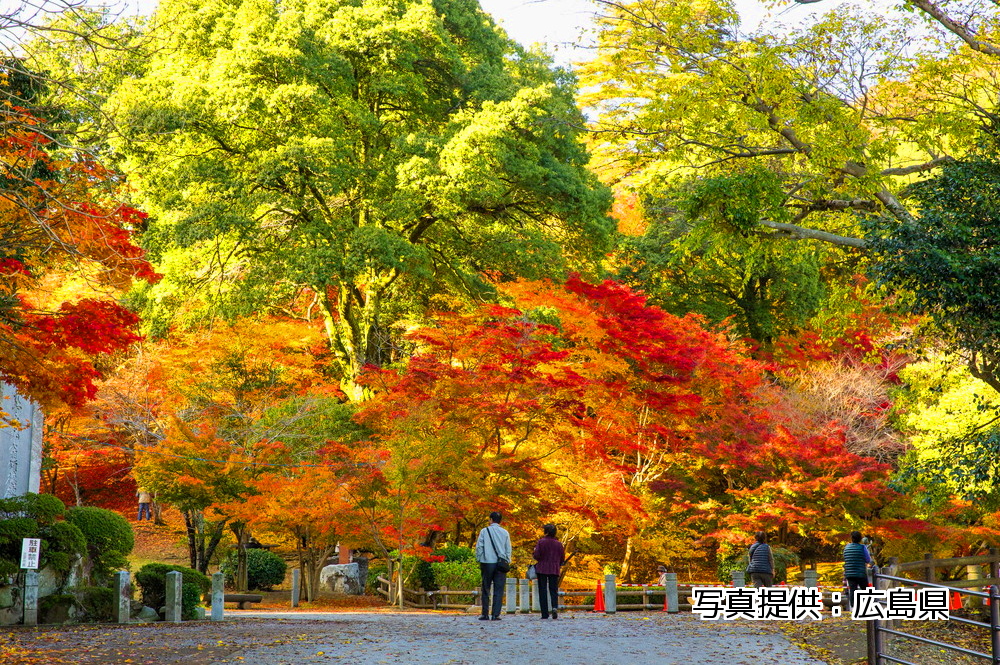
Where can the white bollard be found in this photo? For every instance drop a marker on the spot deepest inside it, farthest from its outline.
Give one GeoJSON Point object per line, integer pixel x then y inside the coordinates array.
{"type": "Point", "coordinates": [124, 610]}
{"type": "Point", "coordinates": [175, 582]}
{"type": "Point", "coordinates": [296, 586]}
{"type": "Point", "coordinates": [525, 593]}
{"type": "Point", "coordinates": [739, 578]}
{"type": "Point", "coordinates": [218, 596]}
{"type": "Point", "coordinates": [511, 599]}
{"type": "Point", "coordinates": [670, 588]}
{"type": "Point", "coordinates": [610, 594]}
{"type": "Point", "coordinates": [536, 604]}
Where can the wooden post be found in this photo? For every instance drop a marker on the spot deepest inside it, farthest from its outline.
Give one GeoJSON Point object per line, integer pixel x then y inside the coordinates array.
{"type": "Point", "coordinates": [870, 639]}
{"type": "Point", "coordinates": [974, 573]}
{"type": "Point", "coordinates": [218, 596]}
{"type": "Point", "coordinates": [31, 598]}
{"type": "Point", "coordinates": [511, 599]}
{"type": "Point", "coordinates": [124, 610]}
{"type": "Point", "coordinates": [929, 575]}
{"type": "Point", "coordinates": [610, 594]}
{"type": "Point", "coordinates": [673, 603]}
{"type": "Point", "coordinates": [995, 564]}
{"type": "Point", "coordinates": [175, 582]}
{"type": "Point", "coordinates": [390, 595]}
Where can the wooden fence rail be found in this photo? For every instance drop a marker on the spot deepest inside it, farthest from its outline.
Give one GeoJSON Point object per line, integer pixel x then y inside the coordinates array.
{"type": "Point", "coordinates": [524, 595]}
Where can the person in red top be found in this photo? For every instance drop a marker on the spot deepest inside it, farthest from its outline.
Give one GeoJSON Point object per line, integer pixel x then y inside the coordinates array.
{"type": "Point", "coordinates": [549, 553]}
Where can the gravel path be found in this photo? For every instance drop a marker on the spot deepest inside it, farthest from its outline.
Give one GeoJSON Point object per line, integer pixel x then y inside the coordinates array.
{"type": "Point", "coordinates": [424, 639]}
{"type": "Point", "coordinates": [411, 638]}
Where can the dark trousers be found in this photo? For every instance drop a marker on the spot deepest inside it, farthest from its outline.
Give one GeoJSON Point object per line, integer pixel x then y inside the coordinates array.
{"type": "Point", "coordinates": [144, 509]}
{"type": "Point", "coordinates": [548, 588]}
{"type": "Point", "coordinates": [762, 579]}
{"type": "Point", "coordinates": [854, 584]}
{"type": "Point", "coordinates": [492, 578]}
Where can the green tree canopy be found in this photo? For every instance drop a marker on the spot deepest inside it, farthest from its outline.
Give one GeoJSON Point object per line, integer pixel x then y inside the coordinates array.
{"type": "Point", "coordinates": [947, 260]}
{"type": "Point", "coordinates": [372, 152]}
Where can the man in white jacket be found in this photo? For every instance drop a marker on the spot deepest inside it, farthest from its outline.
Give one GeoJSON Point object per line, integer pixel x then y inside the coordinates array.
{"type": "Point", "coordinates": [493, 546]}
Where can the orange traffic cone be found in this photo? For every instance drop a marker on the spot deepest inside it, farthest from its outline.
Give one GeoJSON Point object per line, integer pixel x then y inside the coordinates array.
{"type": "Point", "coordinates": [956, 601]}
{"type": "Point", "coordinates": [599, 599]}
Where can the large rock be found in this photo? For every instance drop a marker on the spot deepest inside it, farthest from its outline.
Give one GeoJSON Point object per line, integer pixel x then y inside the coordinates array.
{"type": "Point", "coordinates": [342, 578]}
{"type": "Point", "coordinates": [147, 615]}
{"type": "Point", "coordinates": [49, 582]}
{"type": "Point", "coordinates": [58, 610]}
{"type": "Point", "coordinates": [7, 594]}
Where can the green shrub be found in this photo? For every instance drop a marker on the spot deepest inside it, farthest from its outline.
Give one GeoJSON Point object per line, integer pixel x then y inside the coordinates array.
{"type": "Point", "coordinates": [45, 508]}
{"type": "Point", "coordinates": [190, 600]}
{"type": "Point", "coordinates": [152, 580]}
{"type": "Point", "coordinates": [109, 538]}
{"type": "Point", "coordinates": [727, 563]}
{"type": "Point", "coordinates": [457, 574]}
{"type": "Point", "coordinates": [37, 516]}
{"type": "Point", "coordinates": [783, 560]}
{"type": "Point", "coordinates": [628, 596]}
{"type": "Point", "coordinates": [373, 574]}
{"type": "Point", "coordinates": [265, 569]}
{"type": "Point", "coordinates": [56, 608]}
{"type": "Point", "coordinates": [63, 542]}
{"type": "Point", "coordinates": [98, 603]}
{"type": "Point", "coordinates": [457, 553]}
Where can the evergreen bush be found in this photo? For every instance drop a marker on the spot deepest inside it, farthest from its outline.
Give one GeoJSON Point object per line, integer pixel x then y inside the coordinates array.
{"type": "Point", "coordinates": [265, 569]}
{"type": "Point", "coordinates": [97, 603]}
{"type": "Point", "coordinates": [109, 538]}
{"type": "Point", "coordinates": [152, 580]}
{"type": "Point", "coordinates": [190, 601]}
{"type": "Point", "coordinates": [37, 516]}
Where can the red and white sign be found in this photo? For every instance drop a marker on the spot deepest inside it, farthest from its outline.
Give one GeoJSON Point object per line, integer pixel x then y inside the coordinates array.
{"type": "Point", "coordinates": [31, 550]}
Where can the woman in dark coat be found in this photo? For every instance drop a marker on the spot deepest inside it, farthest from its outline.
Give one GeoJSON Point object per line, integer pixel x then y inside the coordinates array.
{"type": "Point", "coordinates": [549, 553]}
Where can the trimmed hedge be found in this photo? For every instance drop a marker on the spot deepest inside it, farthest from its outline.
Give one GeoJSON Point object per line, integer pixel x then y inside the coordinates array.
{"type": "Point", "coordinates": [265, 569]}
{"type": "Point", "coordinates": [37, 516]}
{"type": "Point", "coordinates": [152, 580]}
{"type": "Point", "coordinates": [109, 537]}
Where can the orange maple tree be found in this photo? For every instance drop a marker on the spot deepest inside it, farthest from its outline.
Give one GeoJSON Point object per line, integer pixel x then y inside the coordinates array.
{"type": "Point", "coordinates": [59, 224]}
{"type": "Point", "coordinates": [586, 402]}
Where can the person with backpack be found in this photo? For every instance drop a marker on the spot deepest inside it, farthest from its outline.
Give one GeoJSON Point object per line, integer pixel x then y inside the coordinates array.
{"type": "Point", "coordinates": [493, 552]}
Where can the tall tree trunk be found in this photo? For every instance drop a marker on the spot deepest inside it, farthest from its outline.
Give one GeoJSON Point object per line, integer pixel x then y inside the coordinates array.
{"type": "Point", "coordinates": [192, 538]}
{"type": "Point", "coordinates": [242, 577]}
{"type": "Point", "coordinates": [213, 544]}
{"type": "Point", "coordinates": [627, 561]}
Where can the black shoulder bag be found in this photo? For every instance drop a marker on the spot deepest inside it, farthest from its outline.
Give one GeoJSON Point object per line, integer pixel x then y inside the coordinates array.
{"type": "Point", "coordinates": [503, 564]}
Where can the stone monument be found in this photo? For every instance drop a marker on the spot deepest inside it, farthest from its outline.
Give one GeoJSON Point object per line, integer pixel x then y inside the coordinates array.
{"type": "Point", "coordinates": [20, 443]}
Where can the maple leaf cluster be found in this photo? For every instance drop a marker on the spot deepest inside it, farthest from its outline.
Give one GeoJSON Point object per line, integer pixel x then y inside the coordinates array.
{"type": "Point", "coordinates": [65, 249]}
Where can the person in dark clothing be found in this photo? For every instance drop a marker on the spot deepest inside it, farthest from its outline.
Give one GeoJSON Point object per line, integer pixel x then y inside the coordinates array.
{"type": "Point", "coordinates": [761, 566]}
{"type": "Point", "coordinates": [549, 553]}
{"type": "Point", "coordinates": [856, 560]}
